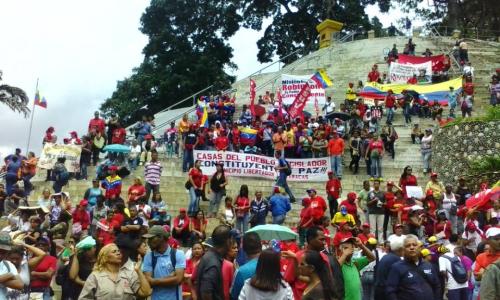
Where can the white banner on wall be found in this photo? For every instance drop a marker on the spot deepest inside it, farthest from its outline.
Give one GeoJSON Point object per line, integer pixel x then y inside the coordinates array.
{"type": "Point", "coordinates": [292, 84]}
{"type": "Point", "coordinates": [51, 152]}
{"type": "Point", "coordinates": [401, 73]}
{"type": "Point", "coordinates": [250, 165]}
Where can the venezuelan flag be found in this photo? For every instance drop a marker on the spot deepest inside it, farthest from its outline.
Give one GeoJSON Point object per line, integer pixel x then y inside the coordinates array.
{"type": "Point", "coordinates": [248, 136]}
{"type": "Point", "coordinates": [204, 118]}
{"type": "Point", "coordinates": [431, 92]}
{"type": "Point", "coordinates": [40, 102]}
{"type": "Point", "coordinates": [322, 79]}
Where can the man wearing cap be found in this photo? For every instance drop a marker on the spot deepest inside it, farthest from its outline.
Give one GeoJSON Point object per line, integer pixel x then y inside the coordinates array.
{"type": "Point", "coordinates": [352, 265]}
{"type": "Point", "coordinates": [9, 277]}
{"type": "Point", "coordinates": [335, 149]}
{"type": "Point", "coordinates": [333, 191]}
{"type": "Point", "coordinates": [317, 205]}
{"type": "Point", "coordinates": [112, 184]}
{"type": "Point", "coordinates": [96, 125]}
{"type": "Point", "coordinates": [412, 278]}
{"type": "Point", "coordinates": [390, 102]}
{"type": "Point", "coordinates": [164, 277]}
{"type": "Point", "coordinates": [81, 216]}
{"type": "Point", "coordinates": [488, 269]}
{"type": "Point", "coordinates": [456, 290]}
{"type": "Point", "coordinates": [343, 232]}
{"type": "Point", "coordinates": [365, 233]}
{"type": "Point", "coordinates": [350, 204]}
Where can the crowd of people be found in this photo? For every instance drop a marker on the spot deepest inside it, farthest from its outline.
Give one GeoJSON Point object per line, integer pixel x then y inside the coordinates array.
{"type": "Point", "coordinates": [382, 242]}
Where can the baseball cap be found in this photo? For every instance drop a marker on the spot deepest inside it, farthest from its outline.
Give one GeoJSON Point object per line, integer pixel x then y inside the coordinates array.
{"type": "Point", "coordinates": [113, 168]}
{"type": "Point", "coordinates": [432, 239]}
{"type": "Point", "coordinates": [5, 241]}
{"type": "Point", "coordinates": [398, 225]}
{"type": "Point", "coordinates": [372, 241]}
{"type": "Point", "coordinates": [182, 210]}
{"type": "Point", "coordinates": [84, 202]}
{"type": "Point", "coordinates": [366, 225]}
{"type": "Point", "coordinates": [311, 190]}
{"type": "Point", "coordinates": [350, 239]}
{"type": "Point", "coordinates": [416, 207]}
{"type": "Point", "coordinates": [156, 230]}
{"type": "Point", "coordinates": [434, 174]}
{"type": "Point", "coordinates": [425, 252]}
{"type": "Point", "coordinates": [492, 232]}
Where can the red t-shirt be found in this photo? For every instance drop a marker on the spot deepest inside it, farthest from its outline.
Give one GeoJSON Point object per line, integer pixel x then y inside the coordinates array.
{"type": "Point", "coordinates": [364, 238]}
{"type": "Point", "coordinates": [119, 135]}
{"type": "Point", "coordinates": [105, 236]}
{"type": "Point", "coordinates": [408, 181]}
{"type": "Point", "coordinates": [318, 207]}
{"type": "Point", "coordinates": [379, 145]}
{"type": "Point", "coordinates": [350, 206]}
{"type": "Point", "coordinates": [135, 191]}
{"type": "Point", "coordinates": [197, 176]}
{"type": "Point", "coordinates": [221, 143]}
{"type": "Point", "coordinates": [412, 80]}
{"type": "Point", "coordinates": [373, 76]}
{"type": "Point", "coordinates": [305, 216]}
{"type": "Point", "coordinates": [197, 224]}
{"type": "Point", "coordinates": [97, 125]}
{"type": "Point", "coordinates": [333, 187]}
{"type": "Point", "coordinates": [241, 202]}
{"type": "Point", "coordinates": [390, 101]}
{"type": "Point", "coordinates": [227, 277]}
{"type": "Point", "coordinates": [298, 286]}
{"type": "Point", "coordinates": [468, 88]}
{"type": "Point", "coordinates": [47, 263]}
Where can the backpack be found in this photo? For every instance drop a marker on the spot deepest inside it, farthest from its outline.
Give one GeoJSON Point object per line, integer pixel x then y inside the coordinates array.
{"type": "Point", "coordinates": [457, 269]}
{"type": "Point", "coordinates": [288, 170]}
{"type": "Point", "coordinates": [173, 260]}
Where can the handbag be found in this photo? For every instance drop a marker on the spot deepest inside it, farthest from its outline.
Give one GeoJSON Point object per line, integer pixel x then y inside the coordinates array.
{"type": "Point", "coordinates": [188, 185]}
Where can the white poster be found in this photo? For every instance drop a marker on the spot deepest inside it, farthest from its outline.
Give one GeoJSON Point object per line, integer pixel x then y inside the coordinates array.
{"type": "Point", "coordinates": [401, 73]}
{"type": "Point", "coordinates": [292, 84]}
{"type": "Point", "coordinates": [250, 165]}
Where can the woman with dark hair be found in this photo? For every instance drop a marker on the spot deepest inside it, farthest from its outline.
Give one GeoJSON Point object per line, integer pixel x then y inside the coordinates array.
{"type": "Point", "coordinates": [407, 179]}
{"type": "Point", "coordinates": [218, 184]}
{"type": "Point", "coordinates": [320, 285]}
{"type": "Point", "coordinates": [242, 209]}
{"type": "Point", "coordinates": [267, 283]}
{"type": "Point", "coordinates": [198, 226]}
{"type": "Point", "coordinates": [195, 187]}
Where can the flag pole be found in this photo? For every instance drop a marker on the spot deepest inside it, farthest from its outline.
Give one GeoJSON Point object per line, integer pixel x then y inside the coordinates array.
{"type": "Point", "coordinates": [31, 122]}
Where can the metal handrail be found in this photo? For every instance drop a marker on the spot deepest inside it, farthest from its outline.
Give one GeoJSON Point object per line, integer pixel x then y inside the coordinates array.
{"type": "Point", "coordinates": [185, 99]}
{"type": "Point", "coordinates": [435, 33]}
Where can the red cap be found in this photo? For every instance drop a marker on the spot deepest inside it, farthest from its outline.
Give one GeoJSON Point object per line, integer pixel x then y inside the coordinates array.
{"type": "Point", "coordinates": [348, 240]}
{"type": "Point", "coordinates": [434, 174]}
{"type": "Point", "coordinates": [113, 168]}
{"type": "Point", "coordinates": [470, 226]}
{"type": "Point", "coordinates": [429, 192]}
{"type": "Point", "coordinates": [398, 225]}
{"type": "Point", "coordinates": [366, 225]}
{"type": "Point", "coordinates": [84, 202]}
{"type": "Point", "coordinates": [391, 183]}
{"type": "Point", "coordinates": [276, 189]}
{"type": "Point", "coordinates": [330, 173]}
{"type": "Point", "coordinates": [352, 196]}
{"type": "Point", "coordinates": [73, 133]}
{"type": "Point", "coordinates": [148, 136]}
{"type": "Point", "coordinates": [182, 210]}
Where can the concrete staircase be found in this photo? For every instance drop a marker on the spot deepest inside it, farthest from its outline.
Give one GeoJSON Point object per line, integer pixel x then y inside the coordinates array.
{"type": "Point", "coordinates": [347, 62]}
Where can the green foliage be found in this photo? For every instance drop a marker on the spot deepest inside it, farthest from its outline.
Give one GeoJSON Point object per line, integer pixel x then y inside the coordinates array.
{"type": "Point", "coordinates": [486, 164]}
{"type": "Point", "coordinates": [492, 114]}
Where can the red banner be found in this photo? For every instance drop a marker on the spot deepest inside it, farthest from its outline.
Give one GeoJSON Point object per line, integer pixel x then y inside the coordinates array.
{"type": "Point", "coordinates": [437, 61]}
{"type": "Point", "coordinates": [300, 101]}
{"type": "Point", "coordinates": [252, 96]}
{"type": "Point", "coordinates": [316, 106]}
{"type": "Point", "coordinates": [280, 104]}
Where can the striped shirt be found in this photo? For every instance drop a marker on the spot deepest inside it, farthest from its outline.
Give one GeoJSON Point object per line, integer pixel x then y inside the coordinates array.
{"type": "Point", "coordinates": [152, 172]}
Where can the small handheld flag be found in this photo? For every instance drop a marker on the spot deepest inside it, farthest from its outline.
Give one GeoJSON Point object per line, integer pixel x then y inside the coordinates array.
{"type": "Point", "coordinates": [204, 118]}
{"type": "Point", "coordinates": [40, 102]}
{"type": "Point", "coordinates": [322, 79]}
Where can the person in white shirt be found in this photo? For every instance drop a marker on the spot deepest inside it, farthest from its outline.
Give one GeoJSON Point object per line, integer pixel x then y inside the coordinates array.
{"type": "Point", "coordinates": [472, 236]}
{"type": "Point", "coordinates": [468, 69]}
{"type": "Point", "coordinates": [133, 156]}
{"type": "Point", "coordinates": [329, 108]}
{"type": "Point", "coordinates": [9, 277]}
{"type": "Point", "coordinates": [450, 207]}
{"type": "Point", "coordinates": [398, 234]}
{"type": "Point", "coordinates": [456, 291]}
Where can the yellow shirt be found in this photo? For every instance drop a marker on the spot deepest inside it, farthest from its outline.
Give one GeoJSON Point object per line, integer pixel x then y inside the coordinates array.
{"type": "Point", "coordinates": [437, 189]}
{"type": "Point", "coordinates": [339, 218]}
{"type": "Point", "coordinates": [290, 136]}
{"type": "Point", "coordinates": [350, 94]}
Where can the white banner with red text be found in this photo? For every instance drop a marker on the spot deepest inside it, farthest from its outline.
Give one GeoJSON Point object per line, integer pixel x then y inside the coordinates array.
{"type": "Point", "coordinates": [51, 152]}
{"type": "Point", "coordinates": [250, 165]}
{"type": "Point", "coordinates": [401, 73]}
{"type": "Point", "coordinates": [291, 85]}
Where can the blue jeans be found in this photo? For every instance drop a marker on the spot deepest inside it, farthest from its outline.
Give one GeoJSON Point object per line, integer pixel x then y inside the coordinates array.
{"type": "Point", "coordinates": [279, 219]}
{"type": "Point", "coordinates": [193, 202]}
{"type": "Point", "coordinates": [336, 163]}
{"type": "Point", "coordinates": [83, 170]}
{"type": "Point", "coordinates": [215, 200]}
{"type": "Point", "coordinates": [426, 157]}
{"type": "Point", "coordinates": [376, 167]}
{"type": "Point", "coordinates": [458, 294]}
{"type": "Point", "coordinates": [242, 223]}
{"type": "Point", "coordinates": [390, 115]}
{"type": "Point", "coordinates": [407, 114]}
{"type": "Point", "coordinates": [28, 187]}
{"type": "Point", "coordinates": [187, 160]}
{"type": "Point", "coordinates": [282, 182]}
{"type": "Point", "coordinates": [133, 163]}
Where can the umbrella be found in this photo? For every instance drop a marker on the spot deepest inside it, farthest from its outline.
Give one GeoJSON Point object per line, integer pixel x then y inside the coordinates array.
{"type": "Point", "coordinates": [482, 198]}
{"type": "Point", "coordinates": [117, 148]}
{"type": "Point", "coordinates": [269, 232]}
{"type": "Point", "coordinates": [340, 115]}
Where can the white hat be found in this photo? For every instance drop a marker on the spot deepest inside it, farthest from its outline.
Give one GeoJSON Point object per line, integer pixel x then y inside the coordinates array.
{"type": "Point", "coordinates": [416, 207]}
{"type": "Point", "coordinates": [493, 231]}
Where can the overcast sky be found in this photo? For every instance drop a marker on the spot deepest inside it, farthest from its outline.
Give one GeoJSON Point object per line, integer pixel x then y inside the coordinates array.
{"type": "Point", "coordinates": [78, 50]}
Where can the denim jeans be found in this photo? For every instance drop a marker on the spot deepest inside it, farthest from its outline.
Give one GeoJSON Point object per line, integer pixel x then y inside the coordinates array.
{"type": "Point", "coordinates": [390, 115]}
{"type": "Point", "coordinates": [193, 202]}
{"type": "Point", "coordinates": [28, 187]}
{"type": "Point", "coordinates": [376, 167]}
{"type": "Point", "coordinates": [83, 170]}
{"type": "Point", "coordinates": [242, 223]}
{"type": "Point", "coordinates": [406, 113]}
{"type": "Point", "coordinates": [151, 187]}
{"type": "Point", "coordinates": [279, 219]}
{"type": "Point", "coordinates": [187, 160]}
{"type": "Point", "coordinates": [133, 163]}
{"type": "Point", "coordinates": [336, 163]}
{"type": "Point", "coordinates": [458, 294]}
{"type": "Point", "coordinates": [215, 200]}
{"type": "Point", "coordinates": [282, 182]}
{"type": "Point", "coordinates": [426, 157]}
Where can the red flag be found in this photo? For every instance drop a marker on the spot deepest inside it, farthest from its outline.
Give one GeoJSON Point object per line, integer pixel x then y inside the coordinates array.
{"type": "Point", "coordinates": [252, 96]}
{"type": "Point", "coordinates": [316, 106]}
{"type": "Point", "coordinates": [280, 104]}
{"type": "Point", "coordinates": [300, 101]}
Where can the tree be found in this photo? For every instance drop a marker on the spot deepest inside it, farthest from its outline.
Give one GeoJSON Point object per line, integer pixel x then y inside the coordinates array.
{"type": "Point", "coordinates": [186, 52]}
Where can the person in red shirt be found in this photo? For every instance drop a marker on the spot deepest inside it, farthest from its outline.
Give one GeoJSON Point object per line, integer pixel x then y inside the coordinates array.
{"type": "Point", "coordinates": [80, 215]}
{"type": "Point", "coordinates": [119, 134]}
{"type": "Point", "coordinates": [181, 227]}
{"type": "Point", "coordinates": [221, 141]}
{"type": "Point", "coordinates": [390, 105]}
{"type": "Point", "coordinates": [306, 220]}
{"type": "Point", "coordinates": [41, 275]}
{"type": "Point", "coordinates": [407, 179]}
{"type": "Point", "coordinates": [137, 191]}
{"type": "Point", "coordinates": [345, 231]}
{"type": "Point", "coordinates": [235, 138]}
{"type": "Point", "coordinates": [374, 75]}
{"type": "Point", "coordinates": [350, 205]}
{"type": "Point", "coordinates": [318, 206]}
{"type": "Point", "coordinates": [365, 233]}
{"type": "Point", "coordinates": [195, 177]}
{"type": "Point", "coordinates": [198, 225]}
{"type": "Point", "coordinates": [96, 125]}
{"type": "Point", "coordinates": [105, 229]}
{"type": "Point", "coordinates": [242, 209]}
{"type": "Point", "coordinates": [333, 191]}
{"type": "Point", "coordinates": [413, 80]}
